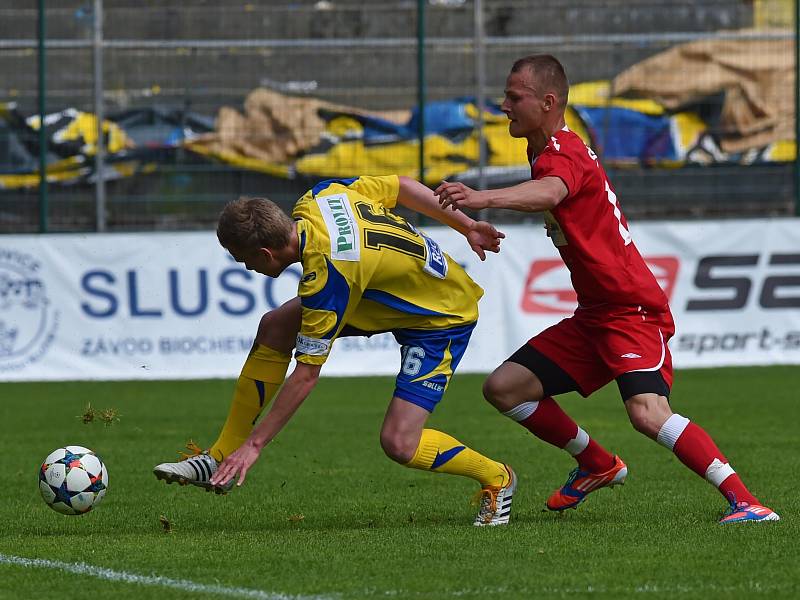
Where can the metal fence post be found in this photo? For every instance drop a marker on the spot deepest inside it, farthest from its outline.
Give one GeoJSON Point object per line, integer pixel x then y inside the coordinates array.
{"type": "Point", "coordinates": [421, 85]}
{"type": "Point", "coordinates": [43, 201]}
{"type": "Point", "coordinates": [797, 108]}
{"type": "Point", "coordinates": [480, 90]}
{"type": "Point", "coordinates": [100, 148]}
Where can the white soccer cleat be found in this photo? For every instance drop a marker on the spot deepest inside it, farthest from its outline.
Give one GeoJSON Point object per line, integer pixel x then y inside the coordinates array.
{"type": "Point", "coordinates": [495, 502]}
{"type": "Point", "coordinates": [195, 470]}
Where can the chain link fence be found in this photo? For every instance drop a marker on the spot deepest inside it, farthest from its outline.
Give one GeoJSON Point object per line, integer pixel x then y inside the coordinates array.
{"type": "Point", "coordinates": [691, 104]}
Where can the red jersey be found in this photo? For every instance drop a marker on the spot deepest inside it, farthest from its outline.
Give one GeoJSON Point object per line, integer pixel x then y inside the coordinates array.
{"type": "Point", "coordinates": [590, 231]}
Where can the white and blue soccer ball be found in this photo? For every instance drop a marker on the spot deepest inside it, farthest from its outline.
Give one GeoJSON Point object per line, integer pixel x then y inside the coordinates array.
{"type": "Point", "coordinates": [73, 480]}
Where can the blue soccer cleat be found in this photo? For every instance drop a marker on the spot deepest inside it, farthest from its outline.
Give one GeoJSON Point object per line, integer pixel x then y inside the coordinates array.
{"type": "Point", "coordinates": [743, 512]}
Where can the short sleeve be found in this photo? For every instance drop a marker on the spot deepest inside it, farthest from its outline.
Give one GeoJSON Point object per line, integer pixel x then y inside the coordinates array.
{"type": "Point", "coordinates": [561, 164]}
{"type": "Point", "coordinates": [326, 298]}
{"type": "Point", "coordinates": [378, 189]}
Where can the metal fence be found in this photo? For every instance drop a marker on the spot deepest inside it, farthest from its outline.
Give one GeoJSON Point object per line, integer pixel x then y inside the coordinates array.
{"type": "Point", "coordinates": [173, 75]}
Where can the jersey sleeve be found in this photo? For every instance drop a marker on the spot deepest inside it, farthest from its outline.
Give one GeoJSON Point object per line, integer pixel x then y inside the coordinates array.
{"type": "Point", "coordinates": [327, 298]}
{"type": "Point", "coordinates": [378, 189]}
{"type": "Point", "coordinates": [561, 163]}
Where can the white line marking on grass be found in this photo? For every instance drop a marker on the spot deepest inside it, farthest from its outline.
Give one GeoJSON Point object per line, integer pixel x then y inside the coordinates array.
{"type": "Point", "coordinates": [154, 580]}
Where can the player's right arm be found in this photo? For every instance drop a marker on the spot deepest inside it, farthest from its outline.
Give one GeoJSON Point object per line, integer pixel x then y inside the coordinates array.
{"type": "Point", "coordinates": [536, 195]}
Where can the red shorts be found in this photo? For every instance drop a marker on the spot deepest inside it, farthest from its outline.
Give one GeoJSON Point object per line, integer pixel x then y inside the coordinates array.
{"type": "Point", "coordinates": [596, 345]}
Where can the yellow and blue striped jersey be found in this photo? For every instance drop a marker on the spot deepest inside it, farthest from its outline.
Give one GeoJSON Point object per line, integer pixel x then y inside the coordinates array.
{"type": "Point", "coordinates": [365, 267]}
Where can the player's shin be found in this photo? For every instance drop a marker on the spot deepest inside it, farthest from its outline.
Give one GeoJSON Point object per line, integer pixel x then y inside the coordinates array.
{"type": "Point", "coordinates": [695, 449]}
{"type": "Point", "coordinates": [442, 453]}
{"type": "Point", "coordinates": [547, 421]}
{"type": "Point", "coordinates": [262, 374]}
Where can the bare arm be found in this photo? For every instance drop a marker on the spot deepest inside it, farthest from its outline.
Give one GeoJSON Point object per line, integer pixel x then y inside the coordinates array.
{"type": "Point", "coordinates": [481, 235]}
{"type": "Point", "coordinates": [530, 196]}
{"type": "Point", "coordinates": [419, 198]}
{"type": "Point", "coordinates": [294, 391]}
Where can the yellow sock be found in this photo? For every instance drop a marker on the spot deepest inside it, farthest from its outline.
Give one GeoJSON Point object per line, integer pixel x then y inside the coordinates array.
{"type": "Point", "coordinates": [262, 374]}
{"type": "Point", "coordinates": [442, 453]}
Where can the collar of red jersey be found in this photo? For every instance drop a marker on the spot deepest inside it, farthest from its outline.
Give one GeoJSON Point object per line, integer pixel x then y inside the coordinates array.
{"type": "Point", "coordinates": [534, 157]}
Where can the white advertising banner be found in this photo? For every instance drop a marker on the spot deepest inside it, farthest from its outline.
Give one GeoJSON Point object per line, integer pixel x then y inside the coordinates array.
{"type": "Point", "coordinates": [176, 306]}
{"type": "Point", "coordinates": [733, 286]}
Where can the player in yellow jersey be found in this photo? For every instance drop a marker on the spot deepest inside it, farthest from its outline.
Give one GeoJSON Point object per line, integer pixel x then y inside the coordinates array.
{"type": "Point", "coordinates": [365, 270]}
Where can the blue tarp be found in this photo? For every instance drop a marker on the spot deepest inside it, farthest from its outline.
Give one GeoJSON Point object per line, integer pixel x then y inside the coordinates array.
{"type": "Point", "coordinates": [622, 134]}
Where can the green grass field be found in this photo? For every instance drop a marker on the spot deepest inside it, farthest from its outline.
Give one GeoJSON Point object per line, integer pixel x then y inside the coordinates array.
{"type": "Point", "coordinates": [325, 515]}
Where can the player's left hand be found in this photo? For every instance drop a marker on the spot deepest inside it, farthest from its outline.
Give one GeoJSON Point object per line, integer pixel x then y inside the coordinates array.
{"type": "Point", "coordinates": [237, 464]}
{"type": "Point", "coordinates": [484, 236]}
{"type": "Point", "coordinates": [457, 195]}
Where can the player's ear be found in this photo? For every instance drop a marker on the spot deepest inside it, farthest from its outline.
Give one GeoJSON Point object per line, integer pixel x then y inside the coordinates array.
{"type": "Point", "coordinates": [266, 253]}
{"type": "Point", "coordinates": [549, 102]}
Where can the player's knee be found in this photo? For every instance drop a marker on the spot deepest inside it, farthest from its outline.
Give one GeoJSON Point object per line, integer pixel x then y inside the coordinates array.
{"type": "Point", "coordinates": [278, 329]}
{"type": "Point", "coordinates": [646, 416]}
{"type": "Point", "coordinates": [493, 389]}
{"type": "Point", "coordinates": [398, 447]}
{"type": "Point", "coordinates": [499, 392]}
{"type": "Point", "coordinates": [641, 423]}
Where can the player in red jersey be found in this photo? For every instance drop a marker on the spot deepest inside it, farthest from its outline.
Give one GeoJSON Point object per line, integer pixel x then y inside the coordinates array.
{"type": "Point", "coordinates": [622, 324]}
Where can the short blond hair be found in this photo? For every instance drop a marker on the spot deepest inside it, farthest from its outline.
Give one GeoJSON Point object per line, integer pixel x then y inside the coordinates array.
{"type": "Point", "coordinates": [251, 223]}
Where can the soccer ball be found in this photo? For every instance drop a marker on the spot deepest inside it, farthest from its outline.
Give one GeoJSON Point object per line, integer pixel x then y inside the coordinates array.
{"type": "Point", "coordinates": [73, 480]}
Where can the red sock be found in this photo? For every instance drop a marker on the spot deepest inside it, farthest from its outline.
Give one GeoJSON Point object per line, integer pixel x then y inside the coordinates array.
{"type": "Point", "coordinates": [595, 458]}
{"type": "Point", "coordinates": [697, 450]}
{"type": "Point", "coordinates": [551, 424]}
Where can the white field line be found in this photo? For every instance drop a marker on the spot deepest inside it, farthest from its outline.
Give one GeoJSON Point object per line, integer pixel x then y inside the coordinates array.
{"type": "Point", "coordinates": [154, 580]}
{"type": "Point", "coordinates": [221, 590]}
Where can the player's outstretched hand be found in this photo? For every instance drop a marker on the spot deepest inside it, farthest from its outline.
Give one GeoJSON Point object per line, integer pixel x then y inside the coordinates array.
{"type": "Point", "coordinates": [457, 195]}
{"type": "Point", "coordinates": [484, 236]}
{"type": "Point", "coordinates": [237, 464]}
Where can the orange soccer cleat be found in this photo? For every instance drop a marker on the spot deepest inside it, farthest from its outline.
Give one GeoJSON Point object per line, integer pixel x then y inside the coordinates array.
{"type": "Point", "coordinates": [580, 483]}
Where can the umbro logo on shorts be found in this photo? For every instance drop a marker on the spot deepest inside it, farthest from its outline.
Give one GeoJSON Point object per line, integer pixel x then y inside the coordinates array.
{"type": "Point", "coordinates": [630, 355]}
